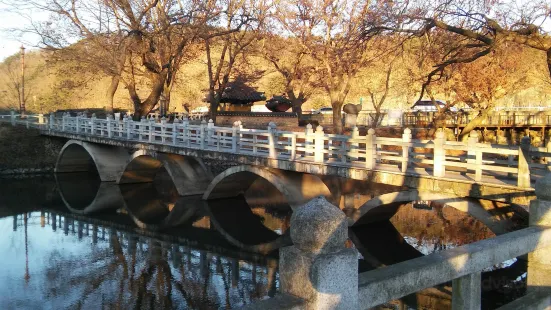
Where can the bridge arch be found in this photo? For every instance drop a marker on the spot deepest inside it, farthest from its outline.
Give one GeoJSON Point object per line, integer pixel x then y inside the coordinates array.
{"type": "Point", "coordinates": [81, 156]}
{"type": "Point", "coordinates": [297, 188]}
{"type": "Point", "coordinates": [150, 211]}
{"type": "Point", "coordinates": [497, 219]}
{"type": "Point", "coordinates": [189, 174]}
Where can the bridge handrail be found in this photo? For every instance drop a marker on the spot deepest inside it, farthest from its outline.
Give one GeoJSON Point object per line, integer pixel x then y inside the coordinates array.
{"type": "Point", "coordinates": [454, 264]}
{"type": "Point", "coordinates": [369, 151]}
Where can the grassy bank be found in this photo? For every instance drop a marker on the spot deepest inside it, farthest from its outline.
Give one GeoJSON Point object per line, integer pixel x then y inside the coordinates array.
{"type": "Point", "coordinates": [25, 151]}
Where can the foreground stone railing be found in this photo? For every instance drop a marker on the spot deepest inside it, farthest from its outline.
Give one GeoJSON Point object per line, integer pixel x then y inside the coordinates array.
{"type": "Point", "coordinates": [318, 272]}
{"type": "Point", "coordinates": [434, 158]}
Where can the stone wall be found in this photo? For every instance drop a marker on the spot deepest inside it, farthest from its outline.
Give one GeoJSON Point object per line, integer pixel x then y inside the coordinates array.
{"type": "Point", "coordinates": [25, 151]}
{"type": "Point", "coordinates": [255, 120]}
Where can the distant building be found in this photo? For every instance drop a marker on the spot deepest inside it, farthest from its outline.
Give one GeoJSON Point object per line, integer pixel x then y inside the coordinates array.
{"type": "Point", "coordinates": [238, 96]}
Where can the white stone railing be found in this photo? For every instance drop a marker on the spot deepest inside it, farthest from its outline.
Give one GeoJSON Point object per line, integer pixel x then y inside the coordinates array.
{"type": "Point", "coordinates": [478, 162]}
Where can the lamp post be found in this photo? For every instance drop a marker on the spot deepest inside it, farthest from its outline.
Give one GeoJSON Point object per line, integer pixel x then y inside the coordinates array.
{"type": "Point", "coordinates": [22, 92]}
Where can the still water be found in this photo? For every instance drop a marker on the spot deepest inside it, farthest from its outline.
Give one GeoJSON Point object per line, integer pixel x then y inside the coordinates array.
{"type": "Point", "coordinates": [72, 242]}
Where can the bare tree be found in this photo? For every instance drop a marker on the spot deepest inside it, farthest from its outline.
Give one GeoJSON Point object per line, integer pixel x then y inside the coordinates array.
{"type": "Point", "coordinates": [330, 31]}
{"type": "Point", "coordinates": [237, 26]}
{"type": "Point", "coordinates": [383, 92]}
{"type": "Point", "coordinates": [291, 59]}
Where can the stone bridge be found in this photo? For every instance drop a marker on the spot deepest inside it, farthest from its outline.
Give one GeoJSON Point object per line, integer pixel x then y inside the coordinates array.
{"type": "Point", "coordinates": [301, 165]}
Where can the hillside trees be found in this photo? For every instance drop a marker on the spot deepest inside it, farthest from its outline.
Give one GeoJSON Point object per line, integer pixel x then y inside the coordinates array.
{"type": "Point", "coordinates": [475, 30]}
{"type": "Point", "coordinates": [330, 32]}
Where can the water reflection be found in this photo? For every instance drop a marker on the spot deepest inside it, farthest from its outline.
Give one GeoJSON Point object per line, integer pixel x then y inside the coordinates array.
{"type": "Point", "coordinates": [141, 246]}
{"type": "Point", "coordinates": [86, 264]}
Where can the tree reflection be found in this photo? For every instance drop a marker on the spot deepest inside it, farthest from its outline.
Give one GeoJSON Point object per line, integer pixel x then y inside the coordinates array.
{"type": "Point", "coordinates": [126, 271]}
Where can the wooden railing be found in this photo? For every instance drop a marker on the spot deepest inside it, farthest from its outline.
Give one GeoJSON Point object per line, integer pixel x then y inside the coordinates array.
{"type": "Point", "coordinates": [435, 157]}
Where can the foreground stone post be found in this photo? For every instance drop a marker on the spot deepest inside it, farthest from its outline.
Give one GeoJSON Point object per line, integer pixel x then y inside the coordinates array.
{"type": "Point", "coordinates": [318, 268]}
{"type": "Point", "coordinates": [524, 163]}
{"type": "Point", "coordinates": [210, 132]}
{"type": "Point", "coordinates": [319, 145]}
{"type": "Point", "coordinates": [539, 261]}
{"type": "Point", "coordinates": [370, 149]}
{"type": "Point", "coordinates": [439, 154]}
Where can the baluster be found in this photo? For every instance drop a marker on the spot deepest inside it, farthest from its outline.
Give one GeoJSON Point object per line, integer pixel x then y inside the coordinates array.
{"type": "Point", "coordinates": [370, 149]}
{"type": "Point", "coordinates": [439, 158]}
{"type": "Point", "coordinates": [406, 138]}
{"type": "Point", "coordinates": [93, 124]}
{"type": "Point", "coordinates": [210, 133]}
{"type": "Point", "coordinates": [175, 124]}
{"type": "Point", "coordinates": [308, 140]}
{"type": "Point", "coordinates": [524, 163]}
{"type": "Point", "coordinates": [151, 127]}
{"type": "Point", "coordinates": [52, 121]}
{"type": "Point", "coordinates": [293, 146]}
{"type": "Point", "coordinates": [163, 129]}
{"type": "Point", "coordinates": [354, 145]}
{"type": "Point", "coordinates": [108, 122]}
{"type": "Point", "coordinates": [271, 140]}
{"type": "Point", "coordinates": [234, 137]}
{"type": "Point", "coordinates": [203, 133]}
{"type": "Point", "coordinates": [319, 145]}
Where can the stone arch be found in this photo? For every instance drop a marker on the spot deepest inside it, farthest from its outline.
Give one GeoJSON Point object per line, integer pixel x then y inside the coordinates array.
{"type": "Point", "coordinates": [148, 211]}
{"type": "Point", "coordinates": [81, 156]}
{"type": "Point", "coordinates": [497, 219]}
{"type": "Point", "coordinates": [298, 188]}
{"type": "Point", "coordinates": [83, 196]}
{"type": "Point", "coordinates": [242, 228]}
{"type": "Point", "coordinates": [189, 174]}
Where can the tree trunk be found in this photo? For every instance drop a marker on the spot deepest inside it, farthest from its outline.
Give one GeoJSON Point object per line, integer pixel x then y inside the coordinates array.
{"type": "Point", "coordinates": [296, 106]}
{"type": "Point", "coordinates": [110, 94]}
{"type": "Point", "coordinates": [213, 109]}
{"type": "Point", "coordinates": [142, 108]}
{"type": "Point", "coordinates": [473, 123]}
{"type": "Point", "coordinates": [337, 117]}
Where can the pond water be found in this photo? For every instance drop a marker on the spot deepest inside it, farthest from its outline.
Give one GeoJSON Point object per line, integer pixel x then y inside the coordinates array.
{"type": "Point", "coordinates": [72, 242]}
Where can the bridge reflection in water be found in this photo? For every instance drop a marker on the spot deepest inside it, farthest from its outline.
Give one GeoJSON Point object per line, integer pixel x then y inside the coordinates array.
{"type": "Point", "coordinates": [142, 246]}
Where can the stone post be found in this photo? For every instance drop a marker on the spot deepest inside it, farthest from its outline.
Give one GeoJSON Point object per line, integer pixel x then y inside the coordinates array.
{"type": "Point", "coordinates": [175, 124]}
{"type": "Point", "coordinates": [40, 118]}
{"type": "Point", "coordinates": [63, 117]}
{"type": "Point", "coordinates": [77, 124]}
{"type": "Point", "coordinates": [185, 131]}
{"type": "Point", "coordinates": [439, 169]}
{"type": "Point", "coordinates": [548, 146]}
{"type": "Point", "coordinates": [234, 136]}
{"type": "Point", "coordinates": [471, 145]}
{"type": "Point", "coordinates": [93, 124]}
{"type": "Point", "coordinates": [12, 117]}
{"type": "Point", "coordinates": [210, 132]}
{"type": "Point", "coordinates": [142, 127]}
{"type": "Point", "coordinates": [319, 155]}
{"type": "Point", "coordinates": [406, 138]}
{"type": "Point", "coordinates": [108, 122]}
{"type": "Point", "coordinates": [318, 268]}
{"type": "Point", "coordinates": [52, 121]}
{"type": "Point", "coordinates": [524, 163]}
{"type": "Point", "coordinates": [272, 140]}
{"type": "Point", "coordinates": [370, 149]}
{"type": "Point", "coordinates": [355, 134]}
{"type": "Point", "coordinates": [203, 133]}
{"type": "Point", "coordinates": [539, 261]}
{"type": "Point", "coordinates": [151, 127]}
{"type": "Point", "coordinates": [308, 140]}
{"type": "Point", "coordinates": [163, 129]}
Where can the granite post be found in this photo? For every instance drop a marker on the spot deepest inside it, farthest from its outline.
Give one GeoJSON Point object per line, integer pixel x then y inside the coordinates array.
{"type": "Point", "coordinates": [318, 268]}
